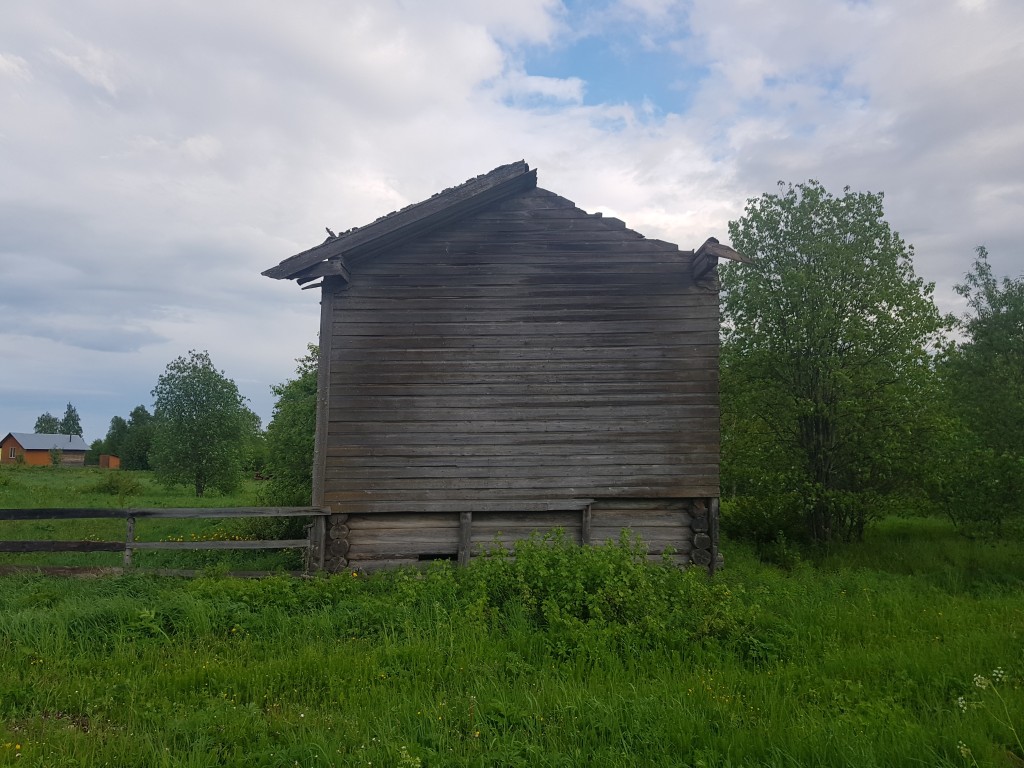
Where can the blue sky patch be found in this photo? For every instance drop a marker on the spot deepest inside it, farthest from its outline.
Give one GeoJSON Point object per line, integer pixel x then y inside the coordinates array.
{"type": "Point", "coordinates": [622, 62]}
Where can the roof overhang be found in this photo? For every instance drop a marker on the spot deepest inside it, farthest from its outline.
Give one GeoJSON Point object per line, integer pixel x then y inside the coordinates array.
{"type": "Point", "coordinates": [329, 258]}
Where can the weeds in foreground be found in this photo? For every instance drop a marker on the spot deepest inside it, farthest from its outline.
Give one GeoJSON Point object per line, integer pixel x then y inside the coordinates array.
{"type": "Point", "coordinates": [558, 656]}
{"type": "Point", "coordinates": [990, 701]}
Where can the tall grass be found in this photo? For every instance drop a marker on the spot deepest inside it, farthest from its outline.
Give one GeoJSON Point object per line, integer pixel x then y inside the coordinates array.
{"type": "Point", "coordinates": [560, 656]}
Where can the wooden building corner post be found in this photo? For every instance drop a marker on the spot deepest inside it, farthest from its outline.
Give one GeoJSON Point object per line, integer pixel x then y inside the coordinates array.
{"type": "Point", "coordinates": [465, 537]}
{"type": "Point", "coordinates": [318, 529]}
{"type": "Point", "coordinates": [713, 516]}
{"type": "Point", "coordinates": [700, 526]}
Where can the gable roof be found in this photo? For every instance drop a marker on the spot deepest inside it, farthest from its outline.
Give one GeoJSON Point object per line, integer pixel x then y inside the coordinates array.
{"type": "Point", "coordinates": [453, 203]}
{"type": "Point", "coordinates": [31, 441]}
{"type": "Point", "coordinates": [328, 258]}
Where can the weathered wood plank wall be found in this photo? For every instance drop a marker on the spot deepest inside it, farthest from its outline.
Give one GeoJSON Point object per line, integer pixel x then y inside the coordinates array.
{"type": "Point", "coordinates": [529, 357]}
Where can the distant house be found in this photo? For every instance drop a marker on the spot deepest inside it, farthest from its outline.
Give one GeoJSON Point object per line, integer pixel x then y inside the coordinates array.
{"type": "Point", "coordinates": [494, 361]}
{"type": "Point", "coordinates": [34, 449]}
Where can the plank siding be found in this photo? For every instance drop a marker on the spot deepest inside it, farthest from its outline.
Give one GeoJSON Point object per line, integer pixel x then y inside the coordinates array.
{"type": "Point", "coordinates": [518, 364]}
{"type": "Point", "coordinates": [493, 531]}
{"type": "Point", "coordinates": [661, 524]}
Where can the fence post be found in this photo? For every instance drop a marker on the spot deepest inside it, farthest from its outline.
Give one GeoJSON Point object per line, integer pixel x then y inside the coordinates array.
{"type": "Point", "coordinates": [317, 543]}
{"type": "Point", "coordinates": [129, 539]}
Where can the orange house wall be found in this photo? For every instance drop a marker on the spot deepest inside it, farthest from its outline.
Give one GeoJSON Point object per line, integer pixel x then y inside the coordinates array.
{"type": "Point", "coordinates": [5, 450]}
{"type": "Point", "coordinates": [32, 458]}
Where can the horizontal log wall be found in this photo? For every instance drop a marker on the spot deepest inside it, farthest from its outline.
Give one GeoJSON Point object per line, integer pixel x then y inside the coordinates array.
{"type": "Point", "coordinates": [494, 530]}
{"type": "Point", "coordinates": [661, 524]}
{"type": "Point", "coordinates": [530, 358]}
{"type": "Point", "coordinates": [377, 540]}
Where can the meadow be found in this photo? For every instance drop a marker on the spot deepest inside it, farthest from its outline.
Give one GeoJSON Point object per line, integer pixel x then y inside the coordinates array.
{"type": "Point", "coordinates": [902, 650]}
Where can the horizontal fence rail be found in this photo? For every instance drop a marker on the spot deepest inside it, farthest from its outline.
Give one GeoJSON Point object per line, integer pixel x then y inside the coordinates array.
{"type": "Point", "coordinates": [313, 543]}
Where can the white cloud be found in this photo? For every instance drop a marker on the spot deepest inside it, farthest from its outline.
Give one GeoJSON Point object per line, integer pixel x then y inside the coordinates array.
{"type": "Point", "coordinates": [202, 148]}
{"type": "Point", "coordinates": [519, 85]}
{"type": "Point", "coordinates": [94, 65]}
{"type": "Point", "coordinates": [14, 67]}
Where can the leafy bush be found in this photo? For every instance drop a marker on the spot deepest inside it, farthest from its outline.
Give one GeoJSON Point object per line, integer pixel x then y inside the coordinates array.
{"type": "Point", "coordinates": [117, 484]}
{"type": "Point", "coordinates": [608, 599]}
{"type": "Point", "coordinates": [764, 519]}
{"type": "Point", "coordinates": [980, 489]}
{"type": "Point", "coordinates": [290, 437]}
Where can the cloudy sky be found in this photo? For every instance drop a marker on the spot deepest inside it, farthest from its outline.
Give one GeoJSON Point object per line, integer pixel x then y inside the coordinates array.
{"type": "Point", "coordinates": [156, 157]}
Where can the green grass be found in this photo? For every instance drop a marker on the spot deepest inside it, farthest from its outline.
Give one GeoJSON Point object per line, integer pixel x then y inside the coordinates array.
{"type": "Point", "coordinates": [90, 487]}
{"type": "Point", "coordinates": [94, 488]}
{"type": "Point", "coordinates": [931, 550]}
{"type": "Point", "coordinates": [562, 657]}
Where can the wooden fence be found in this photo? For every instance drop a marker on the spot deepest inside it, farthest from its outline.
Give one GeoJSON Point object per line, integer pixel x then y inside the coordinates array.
{"type": "Point", "coordinates": [313, 544]}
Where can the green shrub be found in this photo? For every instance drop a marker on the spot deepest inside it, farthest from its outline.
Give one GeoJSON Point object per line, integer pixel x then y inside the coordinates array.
{"type": "Point", "coordinates": [609, 599]}
{"type": "Point", "coordinates": [773, 523]}
{"type": "Point", "coordinates": [118, 484]}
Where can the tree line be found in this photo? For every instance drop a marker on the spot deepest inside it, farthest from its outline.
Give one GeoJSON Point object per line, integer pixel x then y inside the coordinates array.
{"type": "Point", "coordinates": [128, 439]}
{"type": "Point", "coordinates": [846, 395]}
{"type": "Point", "coordinates": [70, 424]}
{"type": "Point", "coordinates": [201, 431]}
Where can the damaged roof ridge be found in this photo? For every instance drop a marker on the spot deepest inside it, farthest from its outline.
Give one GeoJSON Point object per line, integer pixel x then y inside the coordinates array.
{"type": "Point", "coordinates": [515, 176]}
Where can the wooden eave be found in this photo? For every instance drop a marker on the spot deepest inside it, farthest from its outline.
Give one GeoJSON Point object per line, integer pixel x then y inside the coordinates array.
{"type": "Point", "coordinates": [408, 223]}
{"type": "Point", "coordinates": [333, 267]}
{"type": "Point", "coordinates": [706, 257]}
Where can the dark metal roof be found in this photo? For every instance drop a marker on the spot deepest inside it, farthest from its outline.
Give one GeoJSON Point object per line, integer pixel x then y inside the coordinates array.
{"type": "Point", "coordinates": [31, 441]}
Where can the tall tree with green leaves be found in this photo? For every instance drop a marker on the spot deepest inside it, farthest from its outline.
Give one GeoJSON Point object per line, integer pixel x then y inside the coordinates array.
{"type": "Point", "coordinates": [988, 366]}
{"type": "Point", "coordinates": [117, 435]}
{"type": "Point", "coordinates": [138, 439]}
{"type": "Point", "coordinates": [47, 424]}
{"type": "Point", "coordinates": [290, 437]}
{"type": "Point", "coordinates": [201, 426]}
{"type": "Point", "coordinates": [978, 473]}
{"type": "Point", "coordinates": [92, 456]}
{"type": "Point", "coordinates": [71, 424]}
{"type": "Point", "coordinates": [826, 358]}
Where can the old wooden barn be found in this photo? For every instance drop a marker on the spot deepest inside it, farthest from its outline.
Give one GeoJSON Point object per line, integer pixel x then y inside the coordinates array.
{"type": "Point", "coordinates": [495, 361]}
